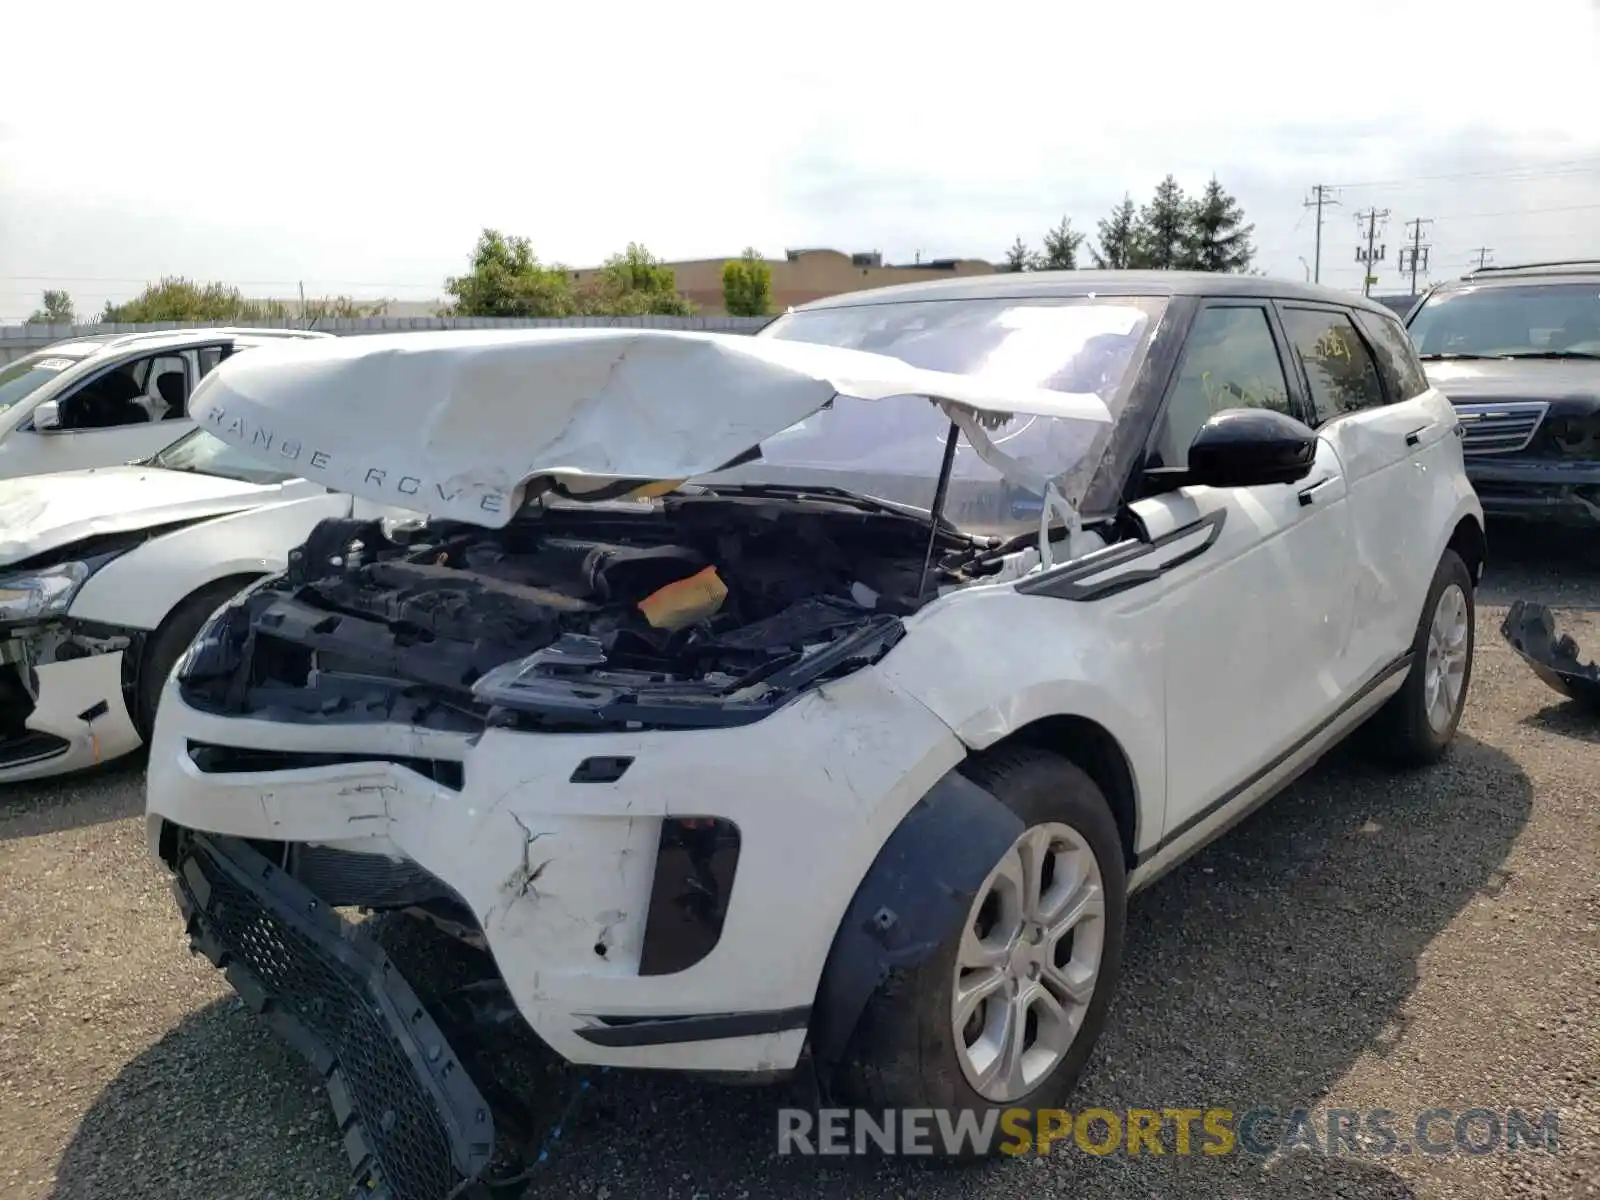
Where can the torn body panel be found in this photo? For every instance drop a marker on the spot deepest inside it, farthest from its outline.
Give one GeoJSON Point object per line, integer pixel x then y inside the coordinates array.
{"type": "Point", "coordinates": [466, 424]}
{"type": "Point", "coordinates": [414, 1124]}
{"type": "Point", "coordinates": [64, 697]}
{"type": "Point", "coordinates": [1554, 657]}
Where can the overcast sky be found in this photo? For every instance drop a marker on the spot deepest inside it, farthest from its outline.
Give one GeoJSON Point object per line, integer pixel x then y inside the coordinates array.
{"type": "Point", "coordinates": [359, 148]}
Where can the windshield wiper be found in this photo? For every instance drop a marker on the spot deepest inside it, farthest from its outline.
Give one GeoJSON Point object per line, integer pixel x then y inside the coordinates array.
{"type": "Point", "coordinates": [1552, 354]}
{"type": "Point", "coordinates": [1455, 355]}
{"type": "Point", "coordinates": [834, 494]}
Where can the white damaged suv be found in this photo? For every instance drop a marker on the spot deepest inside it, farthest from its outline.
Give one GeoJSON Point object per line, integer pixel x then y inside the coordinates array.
{"type": "Point", "coordinates": [814, 697]}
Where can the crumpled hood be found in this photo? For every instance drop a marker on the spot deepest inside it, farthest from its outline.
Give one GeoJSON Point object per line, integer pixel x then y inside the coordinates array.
{"type": "Point", "coordinates": [39, 513]}
{"type": "Point", "coordinates": [1470, 380]}
{"type": "Point", "coordinates": [466, 424]}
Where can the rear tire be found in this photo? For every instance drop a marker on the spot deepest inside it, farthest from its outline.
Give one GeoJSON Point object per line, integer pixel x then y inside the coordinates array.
{"type": "Point", "coordinates": [1419, 721]}
{"type": "Point", "coordinates": [1048, 978]}
{"type": "Point", "coordinates": [167, 644]}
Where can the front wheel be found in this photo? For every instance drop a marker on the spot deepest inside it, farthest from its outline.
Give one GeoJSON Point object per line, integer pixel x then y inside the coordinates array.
{"type": "Point", "coordinates": [1004, 1014]}
{"type": "Point", "coordinates": [1419, 721]}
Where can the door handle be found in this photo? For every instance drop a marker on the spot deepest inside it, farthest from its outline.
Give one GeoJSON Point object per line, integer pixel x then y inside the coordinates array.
{"type": "Point", "coordinates": [1414, 438]}
{"type": "Point", "coordinates": [1308, 494]}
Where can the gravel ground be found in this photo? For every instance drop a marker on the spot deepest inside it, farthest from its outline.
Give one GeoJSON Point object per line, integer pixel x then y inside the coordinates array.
{"type": "Point", "coordinates": [1367, 940]}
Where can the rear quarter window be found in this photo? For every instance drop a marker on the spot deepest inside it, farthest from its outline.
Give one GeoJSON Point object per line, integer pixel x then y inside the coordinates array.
{"type": "Point", "coordinates": [1398, 365]}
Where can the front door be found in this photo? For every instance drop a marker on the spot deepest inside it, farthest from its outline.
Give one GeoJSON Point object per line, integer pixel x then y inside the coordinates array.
{"type": "Point", "coordinates": [1255, 626]}
{"type": "Point", "coordinates": [114, 417]}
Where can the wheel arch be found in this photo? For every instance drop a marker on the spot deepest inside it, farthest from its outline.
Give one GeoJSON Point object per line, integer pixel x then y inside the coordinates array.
{"type": "Point", "coordinates": [1468, 540]}
{"type": "Point", "coordinates": [1095, 751]}
{"type": "Point", "coordinates": [922, 880]}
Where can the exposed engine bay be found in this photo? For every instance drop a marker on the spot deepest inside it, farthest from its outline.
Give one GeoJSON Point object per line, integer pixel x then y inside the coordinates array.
{"type": "Point", "coordinates": [690, 611]}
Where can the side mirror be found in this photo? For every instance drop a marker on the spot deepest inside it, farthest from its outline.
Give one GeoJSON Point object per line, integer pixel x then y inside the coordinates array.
{"type": "Point", "coordinates": [1249, 447]}
{"type": "Point", "coordinates": [47, 416]}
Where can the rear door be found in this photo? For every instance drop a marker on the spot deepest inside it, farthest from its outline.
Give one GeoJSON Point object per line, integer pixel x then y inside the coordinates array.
{"type": "Point", "coordinates": [1370, 400]}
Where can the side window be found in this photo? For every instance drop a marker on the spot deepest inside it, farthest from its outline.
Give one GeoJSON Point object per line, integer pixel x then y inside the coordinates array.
{"type": "Point", "coordinates": [167, 389]}
{"type": "Point", "coordinates": [1403, 377]}
{"type": "Point", "coordinates": [1342, 376]}
{"type": "Point", "coordinates": [210, 356]}
{"type": "Point", "coordinates": [1229, 361]}
{"type": "Point", "coordinates": [109, 400]}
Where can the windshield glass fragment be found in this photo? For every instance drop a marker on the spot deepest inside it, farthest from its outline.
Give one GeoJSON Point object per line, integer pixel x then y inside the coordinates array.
{"type": "Point", "coordinates": [1073, 344]}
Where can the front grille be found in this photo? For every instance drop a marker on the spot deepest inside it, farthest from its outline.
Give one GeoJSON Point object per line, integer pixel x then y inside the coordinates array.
{"type": "Point", "coordinates": [1499, 428]}
{"type": "Point", "coordinates": [414, 1125]}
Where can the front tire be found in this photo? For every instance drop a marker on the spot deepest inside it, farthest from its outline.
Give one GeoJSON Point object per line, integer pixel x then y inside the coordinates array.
{"type": "Point", "coordinates": [1419, 721]}
{"type": "Point", "coordinates": [1004, 1014]}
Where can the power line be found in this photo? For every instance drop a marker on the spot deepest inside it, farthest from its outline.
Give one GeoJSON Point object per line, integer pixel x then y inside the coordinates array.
{"type": "Point", "coordinates": [1415, 256]}
{"type": "Point", "coordinates": [1373, 254]}
{"type": "Point", "coordinates": [1521, 212]}
{"type": "Point", "coordinates": [1484, 253]}
{"type": "Point", "coordinates": [1320, 197]}
{"type": "Point", "coordinates": [1575, 166]}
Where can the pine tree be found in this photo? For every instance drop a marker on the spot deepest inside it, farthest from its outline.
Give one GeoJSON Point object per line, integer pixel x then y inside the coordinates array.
{"type": "Point", "coordinates": [1161, 236]}
{"type": "Point", "coordinates": [1115, 251]}
{"type": "Point", "coordinates": [1019, 257]}
{"type": "Point", "coordinates": [1061, 248]}
{"type": "Point", "coordinates": [1219, 240]}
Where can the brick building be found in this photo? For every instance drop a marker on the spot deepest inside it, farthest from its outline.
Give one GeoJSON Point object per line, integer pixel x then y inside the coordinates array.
{"type": "Point", "coordinates": [804, 275]}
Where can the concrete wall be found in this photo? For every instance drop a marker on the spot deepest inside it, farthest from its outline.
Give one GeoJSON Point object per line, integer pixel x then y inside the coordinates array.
{"type": "Point", "coordinates": [17, 340]}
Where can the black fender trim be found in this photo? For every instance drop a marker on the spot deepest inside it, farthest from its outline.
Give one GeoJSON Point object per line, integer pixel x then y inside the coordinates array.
{"type": "Point", "coordinates": [914, 896]}
{"type": "Point", "coordinates": [1081, 579]}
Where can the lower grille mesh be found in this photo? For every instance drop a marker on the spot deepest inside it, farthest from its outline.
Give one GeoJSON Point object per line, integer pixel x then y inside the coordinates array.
{"type": "Point", "coordinates": [372, 1054]}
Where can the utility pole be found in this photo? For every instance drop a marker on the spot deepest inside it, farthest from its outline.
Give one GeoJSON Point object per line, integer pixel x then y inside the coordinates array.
{"type": "Point", "coordinates": [1321, 194]}
{"type": "Point", "coordinates": [1483, 253]}
{"type": "Point", "coordinates": [1415, 256]}
{"type": "Point", "coordinates": [1373, 254]}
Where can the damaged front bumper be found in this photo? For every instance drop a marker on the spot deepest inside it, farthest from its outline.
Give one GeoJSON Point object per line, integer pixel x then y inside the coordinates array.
{"type": "Point", "coordinates": [414, 1124]}
{"type": "Point", "coordinates": [1554, 657]}
{"type": "Point", "coordinates": [64, 706]}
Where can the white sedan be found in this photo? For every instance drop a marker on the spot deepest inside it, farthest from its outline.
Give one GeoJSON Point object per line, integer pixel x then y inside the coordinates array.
{"type": "Point", "coordinates": [106, 574]}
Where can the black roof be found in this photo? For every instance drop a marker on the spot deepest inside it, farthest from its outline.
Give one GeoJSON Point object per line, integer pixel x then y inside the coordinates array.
{"type": "Point", "coordinates": [1030, 284]}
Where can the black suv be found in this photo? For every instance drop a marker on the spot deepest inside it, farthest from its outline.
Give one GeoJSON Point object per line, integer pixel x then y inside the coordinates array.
{"type": "Point", "coordinates": [1517, 349]}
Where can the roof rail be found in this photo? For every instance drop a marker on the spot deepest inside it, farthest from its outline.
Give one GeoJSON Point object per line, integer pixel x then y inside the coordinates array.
{"type": "Point", "coordinates": [1563, 266]}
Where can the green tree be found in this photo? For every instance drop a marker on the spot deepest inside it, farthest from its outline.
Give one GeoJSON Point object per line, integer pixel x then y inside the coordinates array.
{"type": "Point", "coordinates": [1020, 257]}
{"type": "Point", "coordinates": [176, 298]}
{"type": "Point", "coordinates": [1219, 239]}
{"type": "Point", "coordinates": [1061, 248]}
{"type": "Point", "coordinates": [179, 299]}
{"type": "Point", "coordinates": [632, 284]}
{"type": "Point", "coordinates": [747, 285]}
{"type": "Point", "coordinates": [1162, 233]}
{"type": "Point", "coordinates": [1116, 251]}
{"type": "Point", "coordinates": [508, 280]}
{"type": "Point", "coordinates": [56, 310]}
